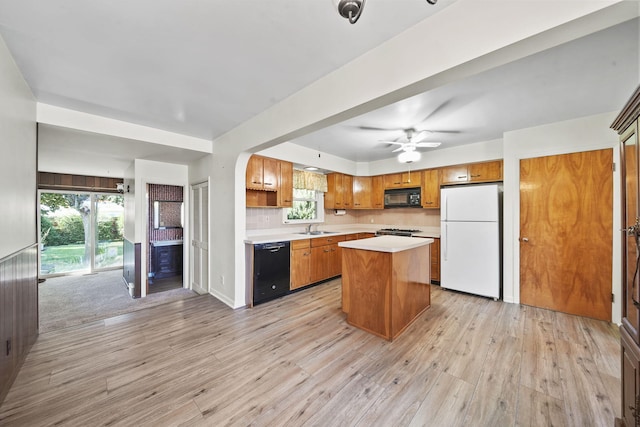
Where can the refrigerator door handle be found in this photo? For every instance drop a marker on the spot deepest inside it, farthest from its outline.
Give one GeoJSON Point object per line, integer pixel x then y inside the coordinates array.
{"type": "Point", "coordinates": [445, 235]}
{"type": "Point", "coordinates": [445, 206]}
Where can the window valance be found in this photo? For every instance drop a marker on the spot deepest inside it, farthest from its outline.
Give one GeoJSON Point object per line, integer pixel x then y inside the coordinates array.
{"type": "Point", "coordinates": [309, 181]}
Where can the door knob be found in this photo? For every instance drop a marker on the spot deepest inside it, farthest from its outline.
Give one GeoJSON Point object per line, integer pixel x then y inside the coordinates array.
{"type": "Point", "coordinates": [524, 239]}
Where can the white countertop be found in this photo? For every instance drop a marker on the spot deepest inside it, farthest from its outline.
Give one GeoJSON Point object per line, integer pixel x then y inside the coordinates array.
{"type": "Point", "coordinates": [283, 235]}
{"type": "Point", "coordinates": [387, 243]}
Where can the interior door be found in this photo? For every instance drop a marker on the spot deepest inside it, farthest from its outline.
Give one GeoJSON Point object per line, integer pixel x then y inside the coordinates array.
{"type": "Point", "coordinates": [200, 238]}
{"type": "Point", "coordinates": [629, 154]}
{"type": "Point", "coordinates": [566, 221]}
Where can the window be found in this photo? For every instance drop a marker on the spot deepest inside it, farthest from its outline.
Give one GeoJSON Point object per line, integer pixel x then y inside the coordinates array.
{"type": "Point", "coordinates": [308, 206]}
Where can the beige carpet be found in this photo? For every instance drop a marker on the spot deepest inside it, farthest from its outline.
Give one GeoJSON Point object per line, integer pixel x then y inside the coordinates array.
{"type": "Point", "coordinates": [73, 300]}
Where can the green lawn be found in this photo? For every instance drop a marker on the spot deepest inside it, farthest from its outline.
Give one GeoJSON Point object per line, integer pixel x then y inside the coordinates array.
{"type": "Point", "coordinates": [62, 259]}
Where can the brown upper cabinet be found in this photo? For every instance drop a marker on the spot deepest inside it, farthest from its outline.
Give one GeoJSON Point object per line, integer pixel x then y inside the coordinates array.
{"type": "Point", "coordinates": [269, 182]}
{"type": "Point", "coordinates": [431, 188]}
{"type": "Point", "coordinates": [285, 184]}
{"type": "Point", "coordinates": [403, 180]}
{"type": "Point", "coordinates": [262, 174]}
{"type": "Point", "coordinates": [339, 193]}
{"type": "Point", "coordinates": [377, 192]}
{"type": "Point", "coordinates": [362, 192]}
{"type": "Point", "coordinates": [473, 172]}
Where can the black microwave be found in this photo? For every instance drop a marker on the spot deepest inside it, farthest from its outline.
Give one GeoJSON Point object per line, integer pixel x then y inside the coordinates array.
{"type": "Point", "coordinates": [402, 198]}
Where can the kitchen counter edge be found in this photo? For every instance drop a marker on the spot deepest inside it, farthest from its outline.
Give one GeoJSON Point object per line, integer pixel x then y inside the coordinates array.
{"type": "Point", "coordinates": [268, 238]}
{"type": "Point", "coordinates": [387, 243]}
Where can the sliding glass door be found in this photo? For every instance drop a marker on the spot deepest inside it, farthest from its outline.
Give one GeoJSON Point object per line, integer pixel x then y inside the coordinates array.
{"type": "Point", "coordinates": [80, 232]}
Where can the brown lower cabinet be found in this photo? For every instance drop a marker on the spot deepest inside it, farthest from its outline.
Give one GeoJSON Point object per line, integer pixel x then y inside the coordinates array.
{"type": "Point", "coordinates": [326, 258]}
{"type": "Point", "coordinates": [300, 263]}
{"type": "Point", "coordinates": [435, 261]}
{"type": "Point", "coordinates": [318, 259]}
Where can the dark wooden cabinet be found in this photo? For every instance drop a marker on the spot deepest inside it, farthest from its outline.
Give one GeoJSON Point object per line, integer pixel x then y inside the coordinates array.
{"type": "Point", "coordinates": [626, 124]}
{"type": "Point", "coordinates": [167, 260]}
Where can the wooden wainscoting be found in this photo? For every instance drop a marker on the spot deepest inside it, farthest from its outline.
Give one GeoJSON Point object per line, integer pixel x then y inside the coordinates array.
{"type": "Point", "coordinates": [18, 313]}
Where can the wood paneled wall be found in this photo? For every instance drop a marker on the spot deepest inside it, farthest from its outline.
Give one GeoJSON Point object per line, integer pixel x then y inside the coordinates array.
{"type": "Point", "coordinates": [167, 193]}
{"type": "Point", "coordinates": [18, 313]}
{"type": "Point", "coordinates": [59, 181]}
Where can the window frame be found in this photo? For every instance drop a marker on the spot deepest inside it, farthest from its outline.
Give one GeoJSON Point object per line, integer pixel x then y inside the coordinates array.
{"type": "Point", "coordinates": [319, 200]}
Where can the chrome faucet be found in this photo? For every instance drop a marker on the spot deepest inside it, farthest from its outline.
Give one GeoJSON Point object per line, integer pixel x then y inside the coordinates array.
{"type": "Point", "coordinates": [309, 228]}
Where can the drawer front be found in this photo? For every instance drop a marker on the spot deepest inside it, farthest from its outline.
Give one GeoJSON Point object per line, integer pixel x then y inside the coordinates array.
{"type": "Point", "coordinates": [300, 244]}
{"type": "Point", "coordinates": [322, 241]}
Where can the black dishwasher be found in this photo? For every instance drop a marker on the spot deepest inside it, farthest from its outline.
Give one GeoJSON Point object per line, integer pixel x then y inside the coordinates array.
{"type": "Point", "coordinates": [271, 263]}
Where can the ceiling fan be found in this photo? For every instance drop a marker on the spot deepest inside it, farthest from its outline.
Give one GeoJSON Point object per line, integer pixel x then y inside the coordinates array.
{"type": "Point", "coordinates": [411, 140]}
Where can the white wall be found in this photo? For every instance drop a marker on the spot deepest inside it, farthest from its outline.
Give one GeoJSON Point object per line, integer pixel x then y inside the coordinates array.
{"type": "Point", "coordinates": [18, 169]}
{"type": "Point", "coordinates": [584, 134]}
{"type": "Point", "coordinates": [150, 172]}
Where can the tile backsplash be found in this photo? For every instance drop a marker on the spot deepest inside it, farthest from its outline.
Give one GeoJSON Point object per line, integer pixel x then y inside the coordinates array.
{"type": "Point", "coordinates": [270, 218]}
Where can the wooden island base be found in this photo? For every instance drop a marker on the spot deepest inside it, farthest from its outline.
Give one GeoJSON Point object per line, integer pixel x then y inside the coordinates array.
{"type": "Point", "coordinates": [384, 292]}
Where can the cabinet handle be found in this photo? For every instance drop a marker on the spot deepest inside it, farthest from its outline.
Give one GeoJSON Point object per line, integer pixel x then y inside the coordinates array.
{"type": "Point", "coordinates": [333, 249]}
{"type": "Point", "coordinates": [268, 183]}
{"type": "Point", "coordinates": [256, 182]}
{"type": "Point", "coordinates": [287, 200]}
{"type": "Point", "coordinates": [397, 183]}
{"type": "Point", "coordinates": [306, 253]}
{"type": "Point", "coordinates": [462, 176]}
{"type": "Point", "coordinates": [326, 250]}
{"type": "Point", "coordinates": [476, 176]}
{"type": "Point", "coordinates": [329, 240]}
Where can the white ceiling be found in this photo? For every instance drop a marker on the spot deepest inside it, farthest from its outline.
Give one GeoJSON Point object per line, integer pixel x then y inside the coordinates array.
{"type": "Point", "coordinates": [591, 75]}
{"type": "Point", "coordinates": [200, 68]}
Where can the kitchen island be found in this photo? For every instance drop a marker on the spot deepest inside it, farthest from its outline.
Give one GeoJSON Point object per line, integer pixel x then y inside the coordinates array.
{"type": "Point", "coordinates": [385, 283]}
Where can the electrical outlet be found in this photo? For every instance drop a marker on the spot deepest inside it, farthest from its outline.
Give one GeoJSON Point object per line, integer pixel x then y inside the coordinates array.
{"type": "Point", "coordinates": [221, 279]}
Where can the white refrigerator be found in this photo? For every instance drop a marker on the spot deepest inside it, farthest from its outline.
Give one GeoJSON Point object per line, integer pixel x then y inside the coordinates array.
{"type": "Point", "coordinates": [470, 255]}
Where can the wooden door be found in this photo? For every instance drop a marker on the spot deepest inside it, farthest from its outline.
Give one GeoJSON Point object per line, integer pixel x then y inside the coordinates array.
{"type": "Point", "coordinates": [270, 174]}
{"type": "Point", "coordinates": [377, 192]}
{"type": "Point", "coordinates": [300, 263]}
{"type": "Point", "coordinates": [320, 263]}
{"type": "Point", "coordinates": [392, 180]}
{"type": "Point", "coordinates": [566, 220]}
{"type": "Point", "coordinates": [485, 172]}
{"type": "Point", "coordinates": [285, 186]}
{"type": "Point", "coordinates": [362, 192]}
{"type": "Point", "coordinates": [454, 174]}
{"type": "Point", "coordinates": [254, 173]}
{"type": "Point", "coordinates": [431, 189]}
{"type": "Point", "coordinates": [630, 280]}
{"type": "Point", "coordinates": [347, 191]}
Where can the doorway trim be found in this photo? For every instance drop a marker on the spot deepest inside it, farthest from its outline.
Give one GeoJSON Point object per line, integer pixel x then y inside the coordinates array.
{"type": "Point", "coordinates": [204, 219]}
{"type": "Point", "coordinates": [585, 134]}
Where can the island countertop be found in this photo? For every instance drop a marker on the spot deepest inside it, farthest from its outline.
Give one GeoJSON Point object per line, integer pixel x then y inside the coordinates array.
{"type": "Point", "coordinates": [386, 243]}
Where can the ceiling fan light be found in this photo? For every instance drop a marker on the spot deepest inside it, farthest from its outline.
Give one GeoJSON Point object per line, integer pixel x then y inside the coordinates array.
{"type": "Point", "coordinates": [409, 156]}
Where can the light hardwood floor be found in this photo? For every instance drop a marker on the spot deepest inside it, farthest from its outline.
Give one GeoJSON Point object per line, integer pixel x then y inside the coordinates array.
{"type": "Point", "coordinates": [466, 361]}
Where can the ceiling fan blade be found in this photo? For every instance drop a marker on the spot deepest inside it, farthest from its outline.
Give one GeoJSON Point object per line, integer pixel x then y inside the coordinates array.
{"type": "Point", "coordinates": [444, 131]}
{"type": "Point", "coordinates": [428, 144]}
{"type": "Point", "coordinates": [392, 142]}
{"type": "Point", "coordinates": [377, 128]}
{"type": "Point", "coordinates": [398, 149]}
{"type": "Point", "coordinates": [436, 110]}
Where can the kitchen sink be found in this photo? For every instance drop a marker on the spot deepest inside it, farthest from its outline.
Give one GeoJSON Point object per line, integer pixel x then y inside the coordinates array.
{"type": "Point", "coordinates": [317, 233]}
